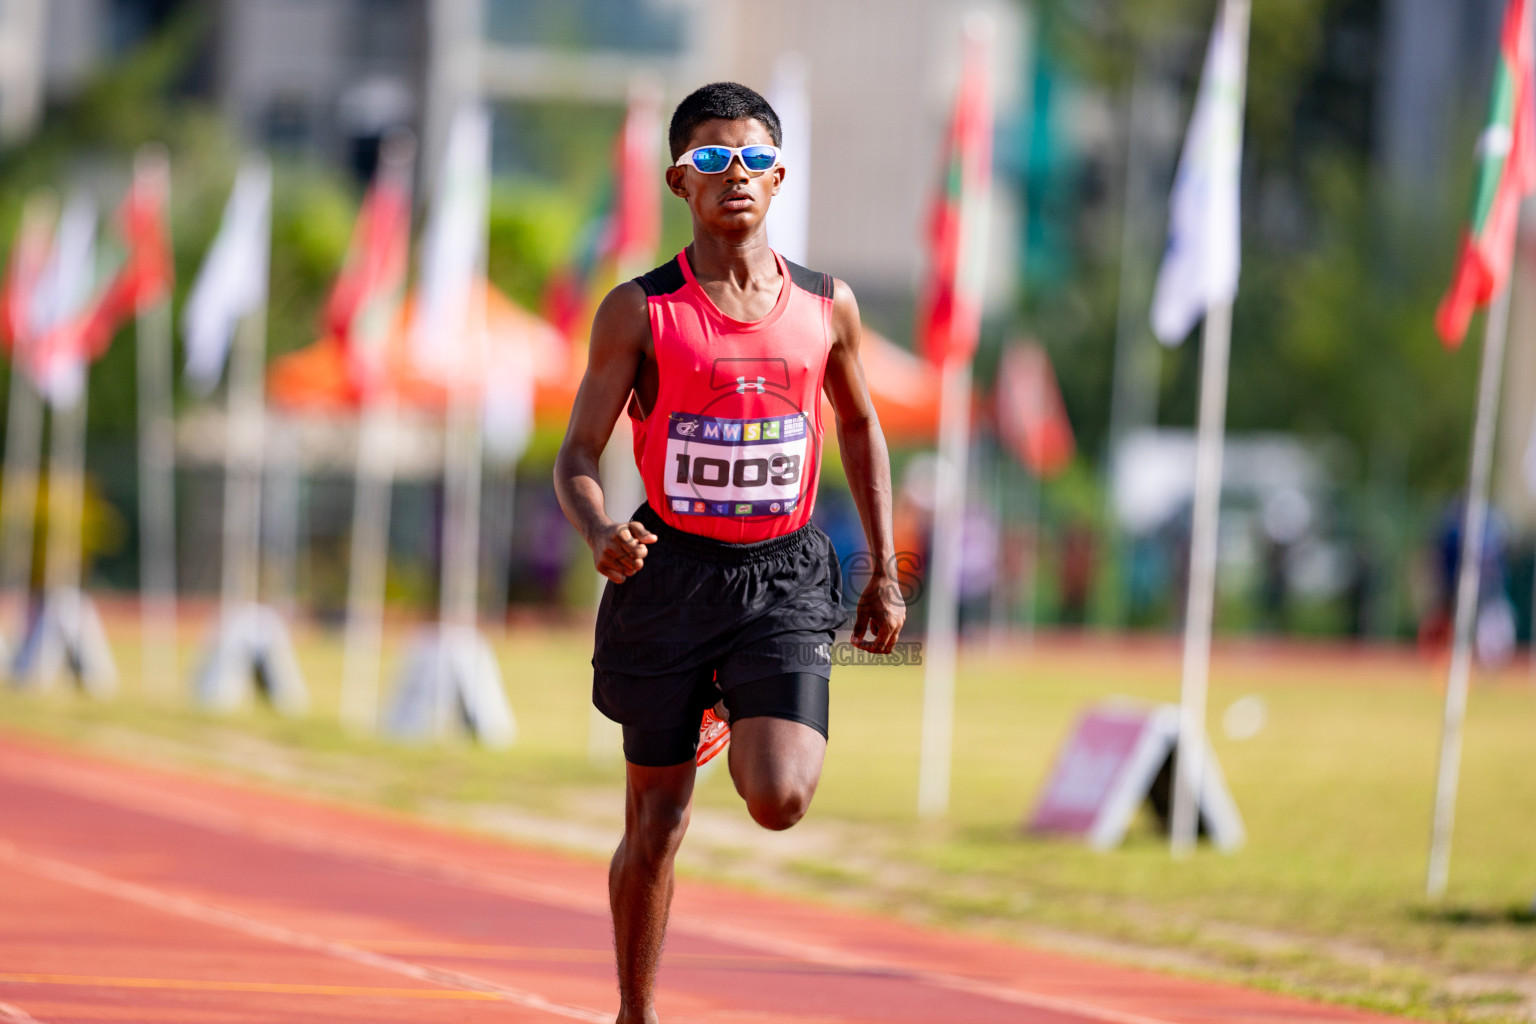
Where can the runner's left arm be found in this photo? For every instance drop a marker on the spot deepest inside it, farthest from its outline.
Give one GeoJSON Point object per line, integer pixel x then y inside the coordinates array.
{"type": "Point", "coordinates": [867, 464]}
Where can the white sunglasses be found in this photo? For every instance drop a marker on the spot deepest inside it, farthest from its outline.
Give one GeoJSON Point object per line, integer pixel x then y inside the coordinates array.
{"type": "Point", "coordinates": [715, 159]}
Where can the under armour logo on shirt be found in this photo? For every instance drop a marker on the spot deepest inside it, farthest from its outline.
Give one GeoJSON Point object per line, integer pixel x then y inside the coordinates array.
{"type": "Point", "coordinates": [742, 385]}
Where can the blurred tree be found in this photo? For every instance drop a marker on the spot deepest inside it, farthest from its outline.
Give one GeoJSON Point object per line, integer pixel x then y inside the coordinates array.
{"type": "Point", "coordinates": [1333, 335]}
{"type": "Point", "coordinates": [89, 142]}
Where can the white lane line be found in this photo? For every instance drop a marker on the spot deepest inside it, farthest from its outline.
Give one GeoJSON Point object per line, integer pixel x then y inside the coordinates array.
{"type": "Point", "coordinates": [84, 878]}
{"type": "Point", "coordinates": [192, 811]}
{"type": "Point", "coordinates": [16, 1015]}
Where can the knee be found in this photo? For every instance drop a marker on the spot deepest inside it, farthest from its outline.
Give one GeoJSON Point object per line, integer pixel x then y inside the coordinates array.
{"type": "Point", "coordinates": [779, 807]}
{"type": "Point", "coordinates": [654, 833]}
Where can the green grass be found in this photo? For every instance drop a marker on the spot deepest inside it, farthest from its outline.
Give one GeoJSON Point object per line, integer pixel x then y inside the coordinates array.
{"type": "Point", "coordinates": [1325, 899]}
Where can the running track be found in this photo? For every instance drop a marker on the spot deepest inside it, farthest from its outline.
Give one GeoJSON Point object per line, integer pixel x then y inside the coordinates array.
{"type": "Point", "coordinates": [130, 894]}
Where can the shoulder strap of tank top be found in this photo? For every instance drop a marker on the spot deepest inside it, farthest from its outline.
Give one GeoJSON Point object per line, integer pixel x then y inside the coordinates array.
{"type": "Point", "coordinates": [812, 281]}
{"type": "Point", "coordinates": [664, 280]}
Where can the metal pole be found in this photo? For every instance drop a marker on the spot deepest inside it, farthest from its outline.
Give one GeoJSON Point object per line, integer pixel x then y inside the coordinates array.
{"type": "Point", "coordinates": [1200, 607]}
{"type": "Point", "coordinates": [1467, 585]}
{"type": "Point", "coordinates": [66, 495]}
{"type": "Point", "coordinates": [1001, 612]}
{"type": "Point", "coordinates": [943, 591]}
{"type": "Point", "coordinates": [369, 561]}
{"type": "Point", "coordinates": [282, 495]}
{"type": "Point", "coordinates": [157, 464]}
{"type": "Point", "coordinates": [498, 555]}
{"type": "Point", "coordinates": [157, 500]}
{"type": "Point", "coordinates": [1035, 502]}
{"type": "Point", "coordinates": [242, 480]}
{"type": "Point", "coordinates": [18, 492]}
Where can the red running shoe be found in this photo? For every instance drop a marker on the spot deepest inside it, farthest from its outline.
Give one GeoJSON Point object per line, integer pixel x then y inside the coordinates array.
{"type": "Point", "coordinates": [714, 734]}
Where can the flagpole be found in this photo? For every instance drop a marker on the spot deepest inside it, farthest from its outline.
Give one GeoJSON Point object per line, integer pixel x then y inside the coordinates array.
{"type": "Point", "coordinates": [1200, 604]}
{"type": "Point", "coordinates": [1468, 582]}
{"type": "Point", "coordinates": [369, 561]}
{"type": "Point", "coordinates": [157, 470]}
{"type": "Point", "coordinates": [18, 490]}
{"type": "Point", "coordinates": [282, 487]}
{"type": "Point", "coordinates": [243, 461]}
{"type": "Point", "coordinates": [1199, 278]}
{"type": "Point", "coordinates": [972, 128]}
{"type": "Point", "coordinates": [496, 558]}
{"type": "Point", "coordinates": [374, 482]}
{"type": "Point", "coordinates": [23, 440]}
{"type": "Point", "coordinates": [66, 495]}
{"type": "Point", "coordinates": [461, 519]}
{"type": "Point", "coordinates": [944, 585]}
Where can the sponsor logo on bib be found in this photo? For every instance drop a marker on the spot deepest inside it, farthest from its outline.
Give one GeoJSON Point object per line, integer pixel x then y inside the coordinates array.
{"type": "Point", "coordinates": [725, 467]}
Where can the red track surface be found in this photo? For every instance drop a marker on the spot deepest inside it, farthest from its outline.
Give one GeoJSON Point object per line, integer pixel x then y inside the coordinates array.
{"type": "Point", "coordinates": [128, 894]}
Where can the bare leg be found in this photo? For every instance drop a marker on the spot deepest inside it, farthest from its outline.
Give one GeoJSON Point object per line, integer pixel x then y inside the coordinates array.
{"type": "Point", "coordinates": [640, 879]}
{"type": "Point", "coordinates": [776, 765]}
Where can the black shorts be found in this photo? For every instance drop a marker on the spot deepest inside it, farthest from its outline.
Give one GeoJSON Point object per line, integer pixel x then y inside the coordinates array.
{"type": "Point", "coordinates": [705, 616]}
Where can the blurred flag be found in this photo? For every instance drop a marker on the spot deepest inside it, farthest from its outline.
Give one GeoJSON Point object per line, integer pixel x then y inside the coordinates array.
{"type": "Point", "coordinates": [789, 215]}
{"type": "Point", "coordinates": [233, 280]}
{"type": "Point", "coordinates": [621, 239]}
{"type": "Point", "coordinates": [1031, 417]}
{"type": "Point", "coordinates": [20, 294]}
{"type": "Point", "coordinates": [636, 229]}
{"type": "Point", "coordinates": [1506, 174]}
{"type": "Point", "coordinates": [1200, 266]}
{"type": "Point", "coordinates": [365, 301]}
{"type": "Point", "coordinates": [451, 337]}
{"type": "Point", "coordinates": [56, 358]}
{"type": "Point", "coordinates": [950, 317]}
{"type": "Point", "coordinates": [447, 340]}
{"type": "Point", "coordinates": [146, 274]}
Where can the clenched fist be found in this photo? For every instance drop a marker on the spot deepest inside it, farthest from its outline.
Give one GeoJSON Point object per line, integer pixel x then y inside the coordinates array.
{"type": "Point", "coordinates": [619, 550]}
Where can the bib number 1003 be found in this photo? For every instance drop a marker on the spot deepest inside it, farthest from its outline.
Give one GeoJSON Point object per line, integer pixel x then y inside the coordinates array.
{"type": "Point", "coordinates": [777, 470]}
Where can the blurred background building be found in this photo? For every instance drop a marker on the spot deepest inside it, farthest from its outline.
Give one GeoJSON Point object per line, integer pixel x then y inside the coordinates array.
{"type": "Point", "coordinates": [1362, 118]}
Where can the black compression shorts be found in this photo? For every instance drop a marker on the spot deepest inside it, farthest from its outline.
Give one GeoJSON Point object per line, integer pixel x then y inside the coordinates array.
{"type": "Point", "coordinates": [704, 617]}
{"type": "Point", "coordinates": [796, 697]}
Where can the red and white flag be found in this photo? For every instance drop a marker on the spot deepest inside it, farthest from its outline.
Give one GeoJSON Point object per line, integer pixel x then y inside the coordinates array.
{"type": "Point", "coordinates": [146, 274]}
{"type": "Point", "coordinates": [1506, 155]}
{"type": "Point", "coordinates": [636, 225]}
{"type": "Point", "coordinates": [620, 240]}
{"type": "Point", "coordinates": [21, 312]}
{"type": "Point", "coordinates": [1031, 417]}
{"type": "Point", "coordinates": [57, 356]}
{"type": "Point", "coordinates": [949, 319]}
{"type": "Point", "coordinates": [364, 304]}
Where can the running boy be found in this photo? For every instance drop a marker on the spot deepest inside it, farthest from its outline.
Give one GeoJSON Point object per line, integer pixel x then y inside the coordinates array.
{"type": "Point", "coordinates": [722, 595]}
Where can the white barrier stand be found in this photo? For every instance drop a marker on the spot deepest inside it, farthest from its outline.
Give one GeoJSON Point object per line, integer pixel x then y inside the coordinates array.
{"type": "Point", "coordinates": [450, 675]}
{"type": "Point", "coordinates": [251, 649]}
{"type": "Point", "coordinates": [65, 633]}
{"type": "Point", "coordinates": [1120, 755]}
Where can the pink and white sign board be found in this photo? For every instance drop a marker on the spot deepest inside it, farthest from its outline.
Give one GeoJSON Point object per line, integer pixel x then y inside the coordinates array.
{"type": "Point", "coordinates": [1107, 769]}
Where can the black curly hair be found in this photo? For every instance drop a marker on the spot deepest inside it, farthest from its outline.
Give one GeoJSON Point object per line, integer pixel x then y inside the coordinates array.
{"type": "Point", "coordinates": [725, 101]}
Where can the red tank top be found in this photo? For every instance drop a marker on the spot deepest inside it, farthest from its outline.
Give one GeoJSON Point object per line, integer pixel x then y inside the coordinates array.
{"type": "Point", "coordinates": [732, 447]}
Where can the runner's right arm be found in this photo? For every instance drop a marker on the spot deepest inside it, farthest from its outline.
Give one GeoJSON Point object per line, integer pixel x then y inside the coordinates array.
{"type": "Point", "coordinates": [621, 333]}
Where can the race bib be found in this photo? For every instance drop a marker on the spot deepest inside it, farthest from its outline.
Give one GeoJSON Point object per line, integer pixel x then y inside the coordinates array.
{"type": "Point", "coordinates": [721, 467]}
